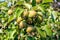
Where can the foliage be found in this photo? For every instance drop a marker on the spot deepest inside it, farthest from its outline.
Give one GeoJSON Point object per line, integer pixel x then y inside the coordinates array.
{"type": "Point", "coordinates": [44, 21]}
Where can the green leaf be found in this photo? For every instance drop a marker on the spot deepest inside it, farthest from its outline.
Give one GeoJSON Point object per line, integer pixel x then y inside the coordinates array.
{"type": "Point", "coordinates": [52, 18]}
{"type": "Point", "coordinates": [18, 11]}
{"type": "Point", "coordinates": [47, 1]}
{"type": "Point", "coordinates": [27, 0]}
{"type": "Point", "coordinates": [48, 30]}
{"type": "Point", "coordinates": [42, 33]}
{"type": "Point", "coordinates": [30, 38]}
{"type": "Point", "coordinates": [33, 2]}
{"type": "Point", "coordinates": [3, 4]}
{"type": "Point", "coordinates": [35, 8]}
{"type": "Point", "coordinates": [19, 3]}
{"type": "Point", "coordinates": [28, 6]}
{"type": "Point", "coordinates": [11, 18]}
{"type": "Point", "coordinates": [12, 33]}
{"type": "Point", "coordinates": [40, 7]}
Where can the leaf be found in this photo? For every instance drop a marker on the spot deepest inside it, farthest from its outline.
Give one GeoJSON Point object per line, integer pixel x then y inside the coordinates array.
{"type": "Point", "coordinates": [47, 1]}
{"type": "Point", "coordinates": [16, 37]}
{"type": "Point", "coordinates": [35, 8]}
{"type": "Point", "coordinates": [30, 38]}
{"type": "Point", "coordinates": [18, 11]}
{"type": "Point", "coordinates": [52, 17]}
{"type": "Point", "coordinates": [11, 18]}
{"type": "Point", "coordinates": [19, 3]}
{"type": "Point", "coordinates": [4, 9]}
{"type": "Point", "coordinates": [3, 4]}
{"type": "Point", "coordinates": [33, 2]}
{"type": "Point", "coordinates": [48, 30]}
{"type": "Point", "coordinates": [42, 33]}
{"type": "Point", "coordinates": [28, 6]}
{"type": "Point", "coordinates": [54, 13]}
{"type": "Point", "coordinates": [40, 7]}
{"type": "Point", "coordinates": [12, 33]}
{"type": "Point", "coordinates": [27, 0]}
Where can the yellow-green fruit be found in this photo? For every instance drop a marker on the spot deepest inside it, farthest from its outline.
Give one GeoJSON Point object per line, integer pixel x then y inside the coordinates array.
{"type": "Point", "coordinates": [29, 29]}
{"type": "Point", "coordinates": [32, 13]}
{"type": "Point", "coordinates": [19, 19]}
{"type": "Point", "coordinates": [21, 24]}
{"type": "Point", "coordinates": [25, 13]}
{"type": "Point", "coordinates": [38, 1]}
{"type": "Point", "coordinates": [10, 11]}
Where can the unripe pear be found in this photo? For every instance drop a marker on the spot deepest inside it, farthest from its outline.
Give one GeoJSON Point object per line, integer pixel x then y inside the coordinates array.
{"type": "Point", "coordinates": [25, 13]}
{"type": "Point", "coordinates": [19, 19]}
{"type": "Point", "coordinates": [10, 11]}
{"type": "Point", "coordinates": [21, 24]}
{"type": "Point", "coordinates": [29, 29]}
{"type": "Point", "coordinates": [32, 13]}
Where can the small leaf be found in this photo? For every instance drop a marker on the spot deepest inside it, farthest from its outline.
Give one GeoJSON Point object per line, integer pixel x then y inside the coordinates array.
{"type": "Point", "coordinates": [52, 18]}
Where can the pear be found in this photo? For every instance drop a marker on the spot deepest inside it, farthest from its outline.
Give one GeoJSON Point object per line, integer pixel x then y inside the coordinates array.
{"type": "Point", "coordinates": [29, 29]}
{"type": "Point", "coordinates": [32, 13]}
{"type": "Point", "coordinates": [10, 11]}
{"type": "Point", "coordinates": [25, 13]}
{"type": "Point", "coordinates": [19, 19]}
{"type": "Point", "coordinates": [21, 24]}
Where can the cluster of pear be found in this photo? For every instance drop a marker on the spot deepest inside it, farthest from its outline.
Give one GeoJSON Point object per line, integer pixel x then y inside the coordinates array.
{"type": "Point", "coordinates": [29, 19]}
